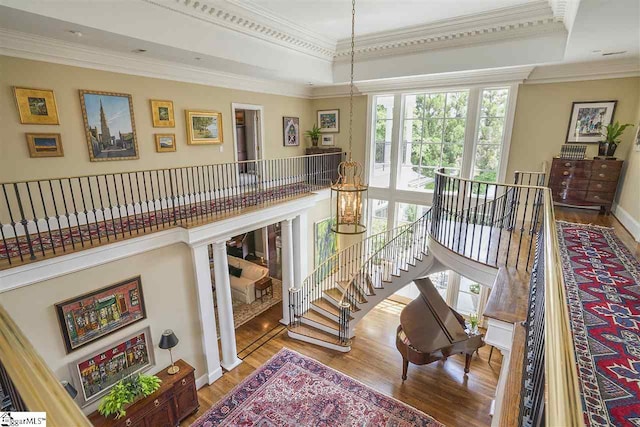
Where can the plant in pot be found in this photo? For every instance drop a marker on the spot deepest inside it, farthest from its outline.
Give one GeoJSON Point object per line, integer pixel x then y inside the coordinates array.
{"type": "Point", "coordinates": [612, 134]}
{"type": "Point", "coordinates": [314, 134]}
{"type": "Point", "coordinates": [127, 391]}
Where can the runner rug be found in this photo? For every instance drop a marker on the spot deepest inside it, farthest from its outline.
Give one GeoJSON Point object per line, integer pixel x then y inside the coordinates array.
{"type": "Point", "coordinates": [294, 390]}
{"type": "Point", "coordinates": [602, 280]}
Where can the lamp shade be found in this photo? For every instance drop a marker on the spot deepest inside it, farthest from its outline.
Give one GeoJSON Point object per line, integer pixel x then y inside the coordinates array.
{"type": "Point", "coordinates": [168, 340]}
{"type": "Point", "coordinates": [70, 389]}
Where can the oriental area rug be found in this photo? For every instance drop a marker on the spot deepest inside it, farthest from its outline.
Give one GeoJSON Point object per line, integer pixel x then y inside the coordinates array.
{"type": "Point", "coordinates": [294, 390]}
{"type": "Point", "coordinates": [602, 280]}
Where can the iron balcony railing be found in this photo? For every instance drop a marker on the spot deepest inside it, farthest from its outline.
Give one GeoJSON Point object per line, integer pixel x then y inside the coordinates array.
{"type": "Point", "coordinates": [48, 217]}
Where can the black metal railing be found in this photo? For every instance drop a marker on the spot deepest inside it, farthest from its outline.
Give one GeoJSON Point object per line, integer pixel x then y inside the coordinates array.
{"type": "Point", "coordinates": [491, 223]}
{"type": "Point", "coordinates": [48, 217]}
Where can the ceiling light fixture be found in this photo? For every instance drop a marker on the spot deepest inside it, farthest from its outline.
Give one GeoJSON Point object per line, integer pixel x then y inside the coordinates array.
{"type": "Point", "coordinates": [349, 193]}
{"type": "Point", "coordinates": [619, 52]}
{"type": "Point", "coordinates": [139, 50]}
{"type": "Point", "coordinates": [76, 33]}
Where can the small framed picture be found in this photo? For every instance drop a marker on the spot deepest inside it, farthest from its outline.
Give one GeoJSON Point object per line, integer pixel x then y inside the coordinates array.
{"type": "Point", "coordinates": [162, 114]}
{"type": "Point", "coordinates": [45, 145]}
{"type": "Point", "coordinates": [203, 127]}
{"type": "Point", "coordinates": [636, 141]}
{"type": "Point", "coordinates": [327, 140]}
{"type": "Point", "coordinates": [329, 121]}
{"type": "Point", "coordinates": [36, 106]}
{"type": "Point", "coordinates": [165, 142]}
{"type": "Point", "coordinates": [588, 120]}
{"type": "Point", "coordinates": [291, 131]}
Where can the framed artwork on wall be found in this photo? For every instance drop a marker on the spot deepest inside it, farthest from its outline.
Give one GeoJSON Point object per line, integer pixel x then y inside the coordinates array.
{"type": "Point", "coordinates": [91, 316]}
{"type": "Point", "coordinates": [109, 125]}
{"type": "Point", "coordinates": [325, 242]}
{"type": "Point", "coordinates": [45, 144]}
{"type": "Point", "coordinates": [291, 131]}
{"type": "Point", "coordinates": [165, 142]}
{"type": "Point", "coordinates": [94, 374]}
{"type": "Point", "coordinates": [327, 140]}
{"type": "Point", "coordinates": [162, 114]}
{"type": "Point", "coordinates": [203, 127]}
{"type": "Point", "coordinates": [588, 120]}
{"type": "Point", "coordinates": [36, 106]}
{"type": "Point", "coordinates": [329, 121]}
{"type": "Point", "coordinates": [636, 141]}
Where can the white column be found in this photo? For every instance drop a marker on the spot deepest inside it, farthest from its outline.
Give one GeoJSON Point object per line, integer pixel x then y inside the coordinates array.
{"type": "Point", "coordinates": [202, 274]}
{"type": "Point", "coordinates": [301, 249]}
{"type": "Point", "coordinates": [286, 235]}
{"type": "Point", "coordinates": [225, 310]}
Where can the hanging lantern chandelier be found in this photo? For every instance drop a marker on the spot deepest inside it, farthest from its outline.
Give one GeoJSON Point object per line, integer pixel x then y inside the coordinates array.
{"type": "Point", "coordinates": [349, 193]}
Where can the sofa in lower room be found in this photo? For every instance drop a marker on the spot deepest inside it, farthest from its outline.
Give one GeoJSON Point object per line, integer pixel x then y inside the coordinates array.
{"type": "Point", "coordinates": [243, 287]}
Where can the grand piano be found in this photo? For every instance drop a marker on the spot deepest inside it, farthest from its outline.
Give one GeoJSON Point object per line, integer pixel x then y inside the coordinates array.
{"type": "Point", "coordinates": [430, 330]}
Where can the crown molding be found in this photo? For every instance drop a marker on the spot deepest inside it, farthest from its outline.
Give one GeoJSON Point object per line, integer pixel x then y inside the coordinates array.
{"type": "Point", "coordinates": [255, 21]}
{"type": "Point", "coordinates": [530, 19]}
{"type": "Point", "coordinates": [454, 79]}
{"type": "Point", "coordinates": [580, 71]}
{"type": "Point", "coordinates": [28, 46]}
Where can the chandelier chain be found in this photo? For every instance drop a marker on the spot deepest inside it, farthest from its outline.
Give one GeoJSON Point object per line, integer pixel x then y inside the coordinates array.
{"type": "Point", "coordinates": [353, 26]}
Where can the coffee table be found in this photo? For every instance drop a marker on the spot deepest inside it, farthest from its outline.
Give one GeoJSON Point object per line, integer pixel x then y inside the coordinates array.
{"type": "Point", "coordinates": [264, 286]}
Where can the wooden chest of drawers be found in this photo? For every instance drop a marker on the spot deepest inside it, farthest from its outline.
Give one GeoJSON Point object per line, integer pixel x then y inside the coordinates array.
{"type": "Point", "coordinates": [174, 401]}
{"type": "Point", "coordinates": [585, 182]}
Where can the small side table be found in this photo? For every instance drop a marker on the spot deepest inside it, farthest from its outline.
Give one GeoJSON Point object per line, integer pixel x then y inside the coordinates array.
{"type": "Point", "coordinates": [265, 286]}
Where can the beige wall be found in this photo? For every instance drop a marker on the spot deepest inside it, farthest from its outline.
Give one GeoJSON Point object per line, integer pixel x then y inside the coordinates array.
{"type": "Point", "coordinates": [170, 300]}
{"type": "Point", "coordinates": [629, 195]}
{"type": "Point", "coordinates": [15, 163]}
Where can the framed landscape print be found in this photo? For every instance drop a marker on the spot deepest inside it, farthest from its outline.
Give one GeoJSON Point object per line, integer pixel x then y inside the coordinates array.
{"type": "Point", "coordinates": [165, 142]}
{"type": "Point", "coordinates": [95, 373]}
{"type": "Point", "coordinates": [162, 114]}
{"type": "Point", "coordinates": [203, 127]}
{"type": "Point", "coordinates": [36, 106]}
{"type": "Point", "coordinates": [327, 140]}
{"type": "Point", "coordinates": [326, 243]}
{"type": "Point", "coordinates": [91, 316]}
{"type": "Point", "coordinates": [329, 121]}
{"type": "Point", "coordinates": [291, 131]}
{"type": "Point", "coordinates": [109, 125]}
{"type": "Point", "coordinates": [588, 120]}
{"type": "Point", "coordinates": [45, 144]}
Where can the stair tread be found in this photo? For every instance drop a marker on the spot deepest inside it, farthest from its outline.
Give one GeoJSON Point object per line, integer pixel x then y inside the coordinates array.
{"type": "Point", "coordinates": [311, 332]}
{"type": "Point", "coordinates": [336, 295]}
{"type": "Point", "coordinates": [321, 319]}
{"type": "Point", "coordinates": [327, 306]}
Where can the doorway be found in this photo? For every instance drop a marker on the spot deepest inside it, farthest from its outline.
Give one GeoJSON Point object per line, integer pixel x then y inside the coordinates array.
{"type": "Point", "coordinates": [247, 136]}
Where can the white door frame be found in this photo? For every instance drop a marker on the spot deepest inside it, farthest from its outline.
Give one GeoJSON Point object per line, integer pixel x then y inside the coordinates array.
{"type": "Point", "coordinates": [259, 149]}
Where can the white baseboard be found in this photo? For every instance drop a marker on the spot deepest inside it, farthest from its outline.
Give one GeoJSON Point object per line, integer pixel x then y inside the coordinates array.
{"type": "Point", "coordinates": [201, 381]}
{"type": "Point", "coordinates": [629, 222]}
{"type": "Point", "coordinates": [213, 376]}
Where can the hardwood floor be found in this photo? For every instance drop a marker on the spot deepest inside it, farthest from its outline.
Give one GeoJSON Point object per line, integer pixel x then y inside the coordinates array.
{"type": "Point", "coordinates": [439, 389]}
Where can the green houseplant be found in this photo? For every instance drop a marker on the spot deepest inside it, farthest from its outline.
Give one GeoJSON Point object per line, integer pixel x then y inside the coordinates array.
{"type": "Point", "coordinates": [612, 134]}
{"type": "Point", "coordinates": [314, 134]}
{"type": "Point", "coordinates": [126, 391]}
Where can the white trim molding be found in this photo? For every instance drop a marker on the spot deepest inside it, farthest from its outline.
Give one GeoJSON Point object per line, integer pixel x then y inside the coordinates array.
{"type": "Point", "coordinates": [593, 70]}
{"type": "Point", "coordinates": [627, 220]}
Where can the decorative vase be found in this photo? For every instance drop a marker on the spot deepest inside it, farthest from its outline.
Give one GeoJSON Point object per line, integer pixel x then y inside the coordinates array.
{"type": "Point", "coordinates": [603, 147]}
{"type": "Point", "coordinates": [611, 150]}
{"type": "Point", "coordinates": [314, 141]}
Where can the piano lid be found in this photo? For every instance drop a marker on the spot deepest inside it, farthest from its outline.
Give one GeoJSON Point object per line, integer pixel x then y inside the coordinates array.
{"type": "Point", "coordinates": [428, 321]}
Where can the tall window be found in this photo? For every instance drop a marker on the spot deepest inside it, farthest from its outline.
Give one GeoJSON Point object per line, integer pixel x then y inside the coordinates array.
{"type": "Point", "coordinates": [433, 136]}
{"type": "Point", "coordinates": [382, 152]}
{"type": "Point", "coordinates": [490, 134]}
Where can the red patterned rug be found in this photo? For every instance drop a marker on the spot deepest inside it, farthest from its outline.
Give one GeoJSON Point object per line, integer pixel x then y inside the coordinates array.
{"type": "Point", "coordinates": [602, 280]}
{"type": "Point", "coordinates": [294, 390]}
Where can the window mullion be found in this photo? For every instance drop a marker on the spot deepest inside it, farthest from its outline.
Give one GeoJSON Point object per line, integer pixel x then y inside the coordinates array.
{"type": "Point", "coordinates": [471, 132]}
{"type": "Point", "coordinates": [396, 140]}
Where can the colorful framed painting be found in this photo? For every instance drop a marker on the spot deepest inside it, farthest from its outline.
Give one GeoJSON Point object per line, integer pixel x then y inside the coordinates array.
{"type": "Point", "coordinates": [165, 142]}
{"type": "Point", "coordinates": [325, 241]}
{"type": "Point", "coordinates": [327, 140]}
{"type": "Point", "coordinates": [91, 316]}
{"type": "Point", "coordinates": [162, 114]}
{"type": "Point", "coordinates": [291, 131]}
{"type": "Point", "coordinates": [95, 373]}
{"type": "Point", "coordinates": [45, 144]}
{"type": "Point", "coordinates": [636, 141]}
{"type": "Point", "coordinates": [36, 106]}
{"type": "Point", "coordinates": [588, 121]}
{"type": "Point", "coordinates": [329, 121]}
{"type": "Point", "coordinates": [109, 125]}
{"type": "Point", "coordinates": [203, 127]}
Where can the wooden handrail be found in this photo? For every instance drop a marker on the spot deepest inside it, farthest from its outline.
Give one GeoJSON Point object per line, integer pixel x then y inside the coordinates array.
{"type": "Point", "coordinates": [37, 385]}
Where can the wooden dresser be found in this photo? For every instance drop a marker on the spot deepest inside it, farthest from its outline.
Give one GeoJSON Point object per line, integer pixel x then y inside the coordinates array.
{"type": "Point", "coordinates": [585, 182]}
{"type": "Point", "coordinates": [174, 401]}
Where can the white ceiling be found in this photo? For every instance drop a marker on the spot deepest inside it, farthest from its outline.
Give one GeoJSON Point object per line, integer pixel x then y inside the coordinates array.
{"type": "Point", "coordinates": [332, 18]}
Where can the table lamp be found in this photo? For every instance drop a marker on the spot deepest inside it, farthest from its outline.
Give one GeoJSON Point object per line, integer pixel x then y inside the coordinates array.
{"type": "Point", "coordinates": [168, 341]}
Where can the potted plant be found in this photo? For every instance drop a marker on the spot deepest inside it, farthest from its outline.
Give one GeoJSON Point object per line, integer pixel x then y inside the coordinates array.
{"type": "Point", "coordinates": [314, 134]}
{"type": "Point", "coordinates": [127, 391]}
{"type": "Point", "coordinates": [612, 134]}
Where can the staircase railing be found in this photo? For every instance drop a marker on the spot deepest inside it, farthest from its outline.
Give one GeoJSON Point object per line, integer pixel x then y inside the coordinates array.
{"type": "Point", "coordinates": [47, 217]}
{"type": "Point", "coordinates": [403, 247]}
{"type": "Point", "coordinates": [491, 223]}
